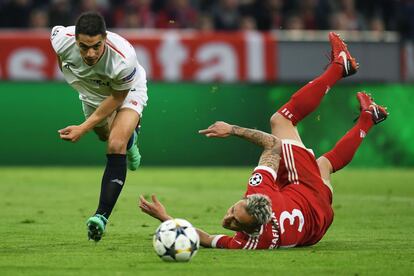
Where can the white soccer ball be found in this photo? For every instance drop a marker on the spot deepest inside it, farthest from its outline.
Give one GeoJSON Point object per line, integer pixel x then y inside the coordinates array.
{"type": "Point", "coordinates": [176, 240]}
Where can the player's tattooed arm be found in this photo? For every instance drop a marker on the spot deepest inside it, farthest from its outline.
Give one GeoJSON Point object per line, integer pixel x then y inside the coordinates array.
{"type": "Point", "coordinates": [260, 138]}
{"type": "Point", "coordinates": [270, 158]}
{"type": "Point", "coordinates": [270, 143]}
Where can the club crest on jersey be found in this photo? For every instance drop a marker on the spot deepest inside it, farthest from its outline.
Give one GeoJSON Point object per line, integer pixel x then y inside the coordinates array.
{"type": "Point", "coordinates": [255, 179]}
{"type": "Point", "coordinates": [130, 76]}
{"type": "Point", "coordinates": [133, 102]}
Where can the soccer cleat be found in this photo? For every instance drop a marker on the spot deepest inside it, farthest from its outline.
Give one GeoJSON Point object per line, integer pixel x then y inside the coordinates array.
{"type": "Point", "coordinates": [367, 104]}
{"type": "Point", "coordinates": [96, 227]}
{"type": "Point", "coordinates": [341, 55]}
{"type": "Point", "coordinates": [133, 155]}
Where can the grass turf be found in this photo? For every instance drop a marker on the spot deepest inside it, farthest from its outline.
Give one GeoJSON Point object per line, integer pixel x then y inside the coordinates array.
{"type": "Point", "coordinates": [43, 213]}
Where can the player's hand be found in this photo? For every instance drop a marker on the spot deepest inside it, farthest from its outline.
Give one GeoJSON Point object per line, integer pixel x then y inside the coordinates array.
{"type": "Point", "coordinates": [218, 129]}
{"type": "Point", "coordinates": [71, 133]}
{"type": "Point", "coordinates": [155, 209]}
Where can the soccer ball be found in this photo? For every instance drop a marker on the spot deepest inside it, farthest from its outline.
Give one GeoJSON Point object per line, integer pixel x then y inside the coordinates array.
{"type": "Point", "coordinates": [176, 240]}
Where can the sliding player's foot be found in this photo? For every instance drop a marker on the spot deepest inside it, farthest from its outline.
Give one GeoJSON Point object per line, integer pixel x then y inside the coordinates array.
{"type": "Point", "coordinates": [96, 227]}
{"type": "Point", "coordinates": [367, 104]}
{"type": "Point", "coordinates": [341, 55]}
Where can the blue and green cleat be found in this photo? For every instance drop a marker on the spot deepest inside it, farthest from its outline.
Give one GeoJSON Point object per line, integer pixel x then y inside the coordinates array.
{"type": "Point", "coordinates": [96, 227]}
{"type": "Point", "coordinates": [133, 155]}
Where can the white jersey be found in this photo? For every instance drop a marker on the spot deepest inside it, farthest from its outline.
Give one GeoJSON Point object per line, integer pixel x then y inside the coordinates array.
{"type": "Point", "coordinates": [118, 68]}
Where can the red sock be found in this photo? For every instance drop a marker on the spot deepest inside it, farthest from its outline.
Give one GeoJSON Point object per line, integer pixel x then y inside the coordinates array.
{"type": "Point", "coordinates": [344, 150]}
{"type": "Point", "coordinates": [308, 98]}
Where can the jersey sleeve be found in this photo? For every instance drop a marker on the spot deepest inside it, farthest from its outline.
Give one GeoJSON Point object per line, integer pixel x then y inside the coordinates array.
{"type": "Point", "coordinates": [125, 78]}
{"type": "Point", "coordinates": [61, 38]}
{"type": "Point", "coordinates": [227, 242]}
{"type": "Point", "coordinates": [262, 181]}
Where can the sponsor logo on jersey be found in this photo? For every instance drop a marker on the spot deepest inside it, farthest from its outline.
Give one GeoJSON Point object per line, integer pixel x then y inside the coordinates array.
{"type": "Point", "coordinates": [100, 82]}
{"type": "Point", "coordinates": [130, 76]}
{"type": "Point", "coordinates": [255, 179]}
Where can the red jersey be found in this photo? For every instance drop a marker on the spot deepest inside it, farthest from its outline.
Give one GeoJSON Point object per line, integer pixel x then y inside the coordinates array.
{"type": "Point", "coordinates": [301, 203]}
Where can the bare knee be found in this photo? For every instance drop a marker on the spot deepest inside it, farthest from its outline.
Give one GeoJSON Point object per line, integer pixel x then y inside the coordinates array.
{"type": "Point", "coordinates": [325, 167]}
{"type": "Point", "coordinates": [116, 145]}
{"type": "Point", "coordinates": [277, 120]}
{"type": "Point", "coordinates": [283, 128]}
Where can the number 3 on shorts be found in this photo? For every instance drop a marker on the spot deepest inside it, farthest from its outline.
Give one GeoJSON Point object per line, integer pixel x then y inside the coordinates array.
{"type": "Point", "coordinates": [286, 215]}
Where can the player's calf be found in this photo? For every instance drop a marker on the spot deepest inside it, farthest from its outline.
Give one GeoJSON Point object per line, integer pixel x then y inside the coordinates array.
{"type": "Point", "coordinates": [346, 147]}
{"type": "Point", "coordinates": [307, 99]}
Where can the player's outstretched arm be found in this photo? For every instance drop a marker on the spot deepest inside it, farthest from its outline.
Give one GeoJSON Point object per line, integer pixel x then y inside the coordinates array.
{"type": "Point", "coordinates": [272, 146]}
{"type": "Point", "coordinates": [106, 108]}
{"type": "Point", "coordinates": [223, 129]}
{"type": "Point", "coordinates": [157, 210]}
{"type": "Point", "coordinates": [270, 143]}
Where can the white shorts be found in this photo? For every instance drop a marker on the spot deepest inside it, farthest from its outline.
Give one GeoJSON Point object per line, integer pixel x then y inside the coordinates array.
{"type": "Point", "coordinates": [135, 100]}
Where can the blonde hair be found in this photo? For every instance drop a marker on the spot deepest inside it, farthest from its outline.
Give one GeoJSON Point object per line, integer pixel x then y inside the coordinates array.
{"type": "Point", "coordinates": [260, 207]}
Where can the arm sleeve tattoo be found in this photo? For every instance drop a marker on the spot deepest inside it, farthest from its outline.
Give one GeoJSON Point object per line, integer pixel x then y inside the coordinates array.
{"type": "Point", "coordinates": [272, 145]}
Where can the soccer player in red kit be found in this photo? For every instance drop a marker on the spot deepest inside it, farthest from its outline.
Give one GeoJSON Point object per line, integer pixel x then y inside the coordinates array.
{"type": "Point", "coordinates": [289, 195]}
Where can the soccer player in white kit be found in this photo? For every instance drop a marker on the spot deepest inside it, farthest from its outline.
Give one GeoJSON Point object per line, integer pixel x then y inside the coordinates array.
{"type": "Point", "coordinates": [103, 67]}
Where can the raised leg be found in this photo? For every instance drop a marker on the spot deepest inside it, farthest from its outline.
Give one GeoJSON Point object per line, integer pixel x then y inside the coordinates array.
{"type": "Point", "coordinates": [343, 152]}
{"type": "Point", "coordinates": [308, 98]}
{"type": "Point", "coordinates": [114, 176]}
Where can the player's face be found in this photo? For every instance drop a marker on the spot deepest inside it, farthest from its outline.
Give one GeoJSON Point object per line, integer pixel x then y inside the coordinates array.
{"type": "Point", "coordinates": [236, 218]}
{"type": "Point", "coordinates": [91, 48]}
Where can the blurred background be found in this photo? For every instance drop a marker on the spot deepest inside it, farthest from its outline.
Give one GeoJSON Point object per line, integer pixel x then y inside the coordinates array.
{"type": "Point", "coordinates": [232, 60]}
{"type": "Point", "coordinates": [218, 15]}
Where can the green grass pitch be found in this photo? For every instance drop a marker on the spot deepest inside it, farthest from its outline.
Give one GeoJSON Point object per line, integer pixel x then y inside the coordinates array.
{"type": "Point", "coordinates": [43, 213]}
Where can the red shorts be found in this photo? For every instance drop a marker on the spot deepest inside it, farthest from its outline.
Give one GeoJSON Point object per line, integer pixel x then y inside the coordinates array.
{"type": "Point", "coordinates": [298, 167]}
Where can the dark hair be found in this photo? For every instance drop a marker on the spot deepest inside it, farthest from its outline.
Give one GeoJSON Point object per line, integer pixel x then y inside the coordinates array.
{"type": "Point", "coordinates": [90, 23]}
